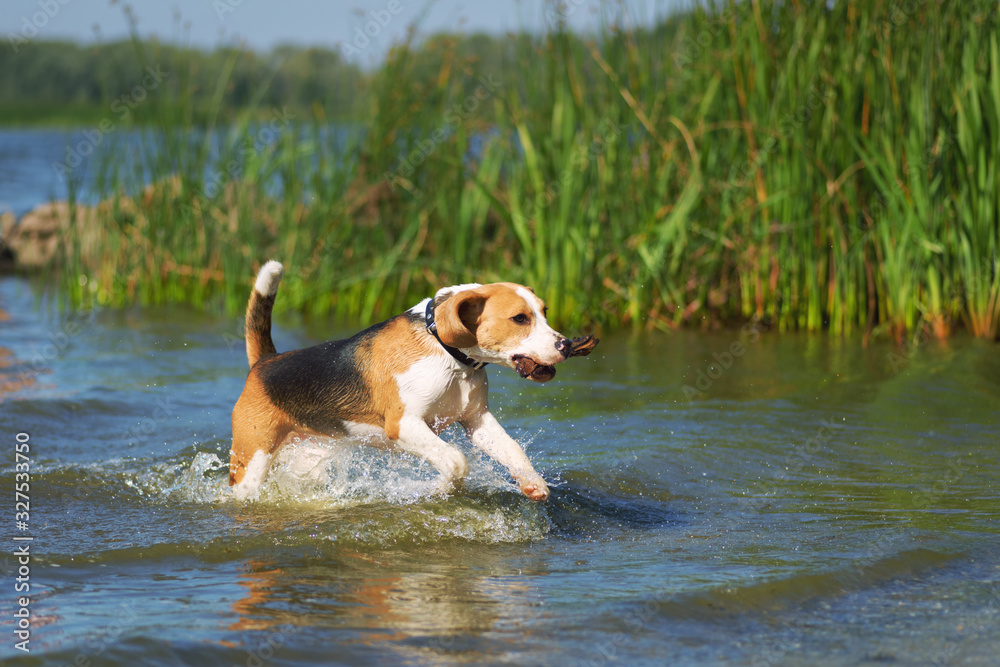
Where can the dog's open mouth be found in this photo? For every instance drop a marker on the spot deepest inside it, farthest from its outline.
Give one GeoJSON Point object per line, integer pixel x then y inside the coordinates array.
{"type": "Point", "coordinates": [527, 367]}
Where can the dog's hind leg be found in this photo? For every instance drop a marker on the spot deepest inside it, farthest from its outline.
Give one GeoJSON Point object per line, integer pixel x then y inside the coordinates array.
{"type": "Point", "coordinates": [254, 473]}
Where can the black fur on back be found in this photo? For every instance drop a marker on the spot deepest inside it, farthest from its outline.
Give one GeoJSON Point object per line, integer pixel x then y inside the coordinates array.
{"type": "Point", "coordinates": [322, 385]}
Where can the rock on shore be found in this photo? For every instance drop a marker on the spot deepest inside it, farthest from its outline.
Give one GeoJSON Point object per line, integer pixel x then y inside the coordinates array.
{"type": "Point", "coordinates": [36, 240]}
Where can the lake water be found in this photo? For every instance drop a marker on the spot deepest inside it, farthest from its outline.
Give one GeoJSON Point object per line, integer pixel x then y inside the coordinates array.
{"type": "Point", "coordinates": [817, 503]}
{"type": "Point", "coordinates": [37, 165]}
{"type": "Point", "coordinates": [27, 177]}
{"type": "Point", "coordinates": [736, 498]}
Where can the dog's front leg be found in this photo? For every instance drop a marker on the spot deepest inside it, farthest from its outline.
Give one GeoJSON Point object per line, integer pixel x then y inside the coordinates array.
{"type": "Point", "coordinates": [417, 438]}
{"type": "Point", "coordinates": [486, 433]}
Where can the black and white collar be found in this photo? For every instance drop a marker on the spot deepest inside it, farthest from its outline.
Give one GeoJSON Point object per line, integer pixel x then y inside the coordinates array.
{"type": "Point", "coordinates": [460, 356]}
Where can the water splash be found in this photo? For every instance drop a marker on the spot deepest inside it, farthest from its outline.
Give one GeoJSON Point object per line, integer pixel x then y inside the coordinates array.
{"type": "Point", "coordinates": [336, 490]}
{"type": "Point", "coordinates": [313, 470]}
{"type": "Point", "coordinates": [347, 472]}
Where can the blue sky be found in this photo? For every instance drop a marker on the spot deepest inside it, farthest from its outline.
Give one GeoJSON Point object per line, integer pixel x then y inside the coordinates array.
{"type": "Point", "coordinates": [261, 24]}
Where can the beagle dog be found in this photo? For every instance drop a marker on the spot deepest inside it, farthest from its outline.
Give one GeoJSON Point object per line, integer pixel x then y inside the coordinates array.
{"type": "Point", "coordinates": [399, 383]}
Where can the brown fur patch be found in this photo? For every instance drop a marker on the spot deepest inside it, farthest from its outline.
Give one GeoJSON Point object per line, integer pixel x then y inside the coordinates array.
{"type": "Point", "coordinates": [258, 425]}
{"type": "Point", "coordinates": [457, 317]}
{"type": "Point", "coordinates": [258, 326]}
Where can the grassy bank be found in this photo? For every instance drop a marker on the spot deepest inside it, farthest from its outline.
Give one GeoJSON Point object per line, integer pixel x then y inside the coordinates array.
{"type": "Point", "coordinates": [823, 168]}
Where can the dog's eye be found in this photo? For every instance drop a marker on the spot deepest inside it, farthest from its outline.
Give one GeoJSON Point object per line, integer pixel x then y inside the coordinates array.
{"type": "Point", "coordinates": [521, 318]}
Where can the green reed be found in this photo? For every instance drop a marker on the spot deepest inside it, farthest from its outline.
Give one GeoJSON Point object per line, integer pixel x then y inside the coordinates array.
{"type": "Point", "coordinates": [818, 168]}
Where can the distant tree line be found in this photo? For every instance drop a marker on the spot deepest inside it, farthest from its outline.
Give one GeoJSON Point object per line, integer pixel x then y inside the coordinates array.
{"type": "Point", "coordinates": [65, 82]}
{"type": "Point", "coordinates": [60, 81]}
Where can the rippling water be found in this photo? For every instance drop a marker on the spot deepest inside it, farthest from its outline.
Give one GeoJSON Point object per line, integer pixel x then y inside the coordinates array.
{"type": "Point", "coordinates": [803, 501]}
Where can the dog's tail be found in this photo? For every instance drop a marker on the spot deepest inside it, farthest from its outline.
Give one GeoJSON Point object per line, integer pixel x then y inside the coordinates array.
{"type": "Point", "coordinates": [258, 323]}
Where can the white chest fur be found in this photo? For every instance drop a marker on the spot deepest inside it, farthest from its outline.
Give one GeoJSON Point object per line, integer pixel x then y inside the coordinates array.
{"type": "Point", "coordinates": [439, 391]}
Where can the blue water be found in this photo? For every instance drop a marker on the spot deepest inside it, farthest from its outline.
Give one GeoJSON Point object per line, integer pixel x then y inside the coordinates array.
{"type": "Point", "coordinates": [811, 507]}
{"type": "Point", "coordinates": [40, 165]}
{"type": "Point", "coordinates": [27, 177]}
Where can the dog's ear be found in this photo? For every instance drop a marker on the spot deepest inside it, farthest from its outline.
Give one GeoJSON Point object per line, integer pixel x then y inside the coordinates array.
{"type": "Point", "coordinates": [458, 317]}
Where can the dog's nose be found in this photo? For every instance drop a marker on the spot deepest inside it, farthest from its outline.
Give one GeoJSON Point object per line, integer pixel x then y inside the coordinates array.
{"type": "Point", "coordinates": [565, 346]}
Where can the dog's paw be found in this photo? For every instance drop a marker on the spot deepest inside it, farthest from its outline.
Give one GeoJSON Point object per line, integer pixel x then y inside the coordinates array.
{"type": "Point", "coordinates": [537, 490]}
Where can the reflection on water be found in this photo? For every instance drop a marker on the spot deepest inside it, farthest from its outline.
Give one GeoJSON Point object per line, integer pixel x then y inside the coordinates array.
{"type": "Point", "coordinates": [15, 374]}
{"type": "Point", "coordinates": [418, 610]}
{"type": "Point", "coordinates": [811, 501]}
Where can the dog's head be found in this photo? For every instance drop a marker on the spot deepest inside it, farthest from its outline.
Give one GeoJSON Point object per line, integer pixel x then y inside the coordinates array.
{"type": "Point", "coordinates": [501, 323]}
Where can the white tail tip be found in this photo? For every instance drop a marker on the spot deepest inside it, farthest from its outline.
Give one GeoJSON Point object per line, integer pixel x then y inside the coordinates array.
{"type": "Point", "coordinates": [268, 278]}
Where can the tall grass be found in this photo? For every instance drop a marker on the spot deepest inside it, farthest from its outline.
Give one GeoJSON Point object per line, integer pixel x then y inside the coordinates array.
{"type": "Point", "coordinates": [825, 168]}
